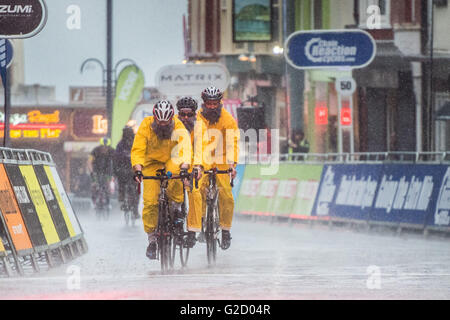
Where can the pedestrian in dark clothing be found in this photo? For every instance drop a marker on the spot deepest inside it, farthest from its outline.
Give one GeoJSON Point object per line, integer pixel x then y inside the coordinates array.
{"type": "Point", "coordinates": [122, 162]}
{"type": "Point", "coordinates": [298, 144]}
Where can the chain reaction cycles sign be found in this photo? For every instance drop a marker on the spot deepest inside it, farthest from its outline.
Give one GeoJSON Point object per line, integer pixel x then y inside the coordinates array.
{"type": "Point", "coordinates": [22, 18]}
{"type": "Point", "coordinates": [330, 49]}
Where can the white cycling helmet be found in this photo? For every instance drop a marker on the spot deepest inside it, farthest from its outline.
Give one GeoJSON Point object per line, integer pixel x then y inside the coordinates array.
{"type": "Point", "coordinates": [163, 110]}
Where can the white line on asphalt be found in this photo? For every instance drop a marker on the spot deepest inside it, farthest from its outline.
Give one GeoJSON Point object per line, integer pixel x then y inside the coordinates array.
{"type": "Point", "coordinates": [209, 275]}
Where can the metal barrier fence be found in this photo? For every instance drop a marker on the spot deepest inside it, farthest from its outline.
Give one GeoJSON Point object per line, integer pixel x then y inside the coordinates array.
{"type": "Point", "coordinates": [38, 227]}
{"type": "Point", "coordinates": [397, 156]}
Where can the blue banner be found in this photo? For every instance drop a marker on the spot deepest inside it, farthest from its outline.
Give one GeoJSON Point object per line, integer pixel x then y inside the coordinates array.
{"type": "Point", "coordinates": [330, 49]}
{"type": "Point", "coordinates": [439, 215]}
{"type": "Point", "coordinates": [240, 168]}
{"type": "Point", "coordinates": [396, 193]}
{"type": "Point", "coordinates": [407, 193]}
{"type": "Point", "coordinates": [347, 191]}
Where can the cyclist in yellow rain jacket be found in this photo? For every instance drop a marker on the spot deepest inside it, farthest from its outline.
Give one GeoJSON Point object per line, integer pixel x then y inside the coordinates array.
{"type": "Point", "coordinates": [161, 142]}
{"type": "Point", "coordinates": [223, 134]}
{"type": "Point", "coordinates": [187, 108]}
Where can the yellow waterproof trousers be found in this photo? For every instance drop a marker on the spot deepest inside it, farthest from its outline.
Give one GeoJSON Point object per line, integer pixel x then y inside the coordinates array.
{"type": "Point", "coordinates": [152, 190]}
{"type": "Point", "coordinates": [196, 205]}
{"type": "Point", "coordinates": [197, 202]}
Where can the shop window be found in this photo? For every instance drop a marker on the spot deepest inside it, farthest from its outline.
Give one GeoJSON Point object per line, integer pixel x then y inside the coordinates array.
{"type": "Point", "coordinates": [275, 21]}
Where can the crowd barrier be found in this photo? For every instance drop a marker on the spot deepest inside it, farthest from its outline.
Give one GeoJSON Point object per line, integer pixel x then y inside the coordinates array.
{"type": "Point", "coordinates": [37, 223]}
{"type": "Point", "coordinates": [401, 195]}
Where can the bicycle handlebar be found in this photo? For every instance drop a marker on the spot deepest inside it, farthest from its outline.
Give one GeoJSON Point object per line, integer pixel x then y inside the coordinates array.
{"type": "Point", "coordinates": [161, 177]}
{"type": "Point", "coordinates": [215, 171]}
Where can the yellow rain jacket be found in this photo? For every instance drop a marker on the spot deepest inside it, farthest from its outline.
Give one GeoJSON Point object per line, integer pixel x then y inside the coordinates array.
{"type": "Point", "coordinates": [226, 132]}
{"type": "Point", "coordinates": [199, 140]}
{"type": "Point", "coordinates": [153, 154]}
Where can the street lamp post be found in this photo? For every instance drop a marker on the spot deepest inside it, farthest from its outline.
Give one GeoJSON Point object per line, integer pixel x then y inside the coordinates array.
{"type": "Point", "coordinates": [108, 83]}
{"type": "Point", "coordinates": [109, 99]}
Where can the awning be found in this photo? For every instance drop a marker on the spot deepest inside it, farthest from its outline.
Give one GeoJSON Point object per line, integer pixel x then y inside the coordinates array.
{"type": "Point", "coordinates": [383, 71]}
{"type": "Point", "coordinates": [80, 146]}
{"type": "Point", "coordinates": [437, 57]}
{"type": "Point", "coordinates": [444, 112]}
{"type": "Point", "coordinates": [389, 56]}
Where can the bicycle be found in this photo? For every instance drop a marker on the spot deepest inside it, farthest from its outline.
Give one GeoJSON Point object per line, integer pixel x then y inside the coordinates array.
{"type": "Point", "coordinates": [211, 225]}
{"type": "Point", "coordinates": [101, 200]}
{"type": "Point", "coordinates": [130, 204]}
{"type": "Point", "coordinates": [168, 236]}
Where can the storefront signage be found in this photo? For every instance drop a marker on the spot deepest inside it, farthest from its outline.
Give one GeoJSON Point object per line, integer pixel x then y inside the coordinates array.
{"type": "Point", "coordinates": [99, 124]}
{"type": "Point", "coordinates": [22, 18]}
{"type": "Point", "coordinates": [34, 124]}
{"type": "Point", "coordinates": [89, 124]}
{"type": "Point", "coordinates": [330, 49]}
{"type": "Point", "coordinates": [191, 80]}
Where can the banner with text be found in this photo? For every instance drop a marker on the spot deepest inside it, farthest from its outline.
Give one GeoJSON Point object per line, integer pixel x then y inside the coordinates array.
{"type": "Point", "coordinates": [395, 193]}
{"type": "Point", "coordinates": [290, 193]}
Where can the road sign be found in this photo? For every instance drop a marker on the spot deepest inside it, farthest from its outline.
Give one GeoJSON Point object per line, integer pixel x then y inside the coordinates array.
{"type": "Point", "coordinates": [350, 48]}
{"type": "Point", "coordinates": [345, 86]}
{"type": "Point", "coordinates": [22, 18]}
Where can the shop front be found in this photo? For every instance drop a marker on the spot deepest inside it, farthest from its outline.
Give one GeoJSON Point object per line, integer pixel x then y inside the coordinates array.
{"type": "Point", "coordinates": [42, 128]}
{"type": "Point", "coordinates": [87, 126]}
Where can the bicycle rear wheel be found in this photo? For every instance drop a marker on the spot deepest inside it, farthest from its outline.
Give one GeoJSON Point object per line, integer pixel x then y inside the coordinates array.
{"type": "Point", "coordinates": [184, 255]}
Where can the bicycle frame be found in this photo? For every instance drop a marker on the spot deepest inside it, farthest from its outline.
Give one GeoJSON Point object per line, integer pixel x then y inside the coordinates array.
{"type": "Point", "coordinates": [212, 225]}
{"type": "Point", "coordinates": [164, 229]}
{"type": "Point", "coordinates": [102, 200]}
{"type": "Point", "coordinates": [130, 203]}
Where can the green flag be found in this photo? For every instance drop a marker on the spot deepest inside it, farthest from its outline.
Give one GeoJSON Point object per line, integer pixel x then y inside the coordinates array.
{"type": "Point", "coordinates": [128, 90]}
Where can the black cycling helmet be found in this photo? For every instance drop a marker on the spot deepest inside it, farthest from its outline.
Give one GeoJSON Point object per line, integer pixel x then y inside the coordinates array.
{"type": "Point", "coordinates": [187, 103]}
{"type": "Point", "coordinates": [212, 93]}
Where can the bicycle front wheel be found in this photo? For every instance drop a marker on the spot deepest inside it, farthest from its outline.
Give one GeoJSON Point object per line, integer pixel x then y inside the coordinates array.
{"type": "Point", "coordinates": [184, 255]}
{"type": "Point", "coordinates": [210, 235]}
{"type": "Point", "coordinates": [165, 244]}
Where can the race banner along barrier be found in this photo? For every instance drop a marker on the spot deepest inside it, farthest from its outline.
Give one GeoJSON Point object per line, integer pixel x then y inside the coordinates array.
{"type": "Point", "coordinates": [441, 214]}
{"type": "Point", "coordinates": [2, 247]}
{"type": "Point", "coordinates": [26, 207]}
{"type": "Point", "coordinates": [52, 203]}
{"type": "Point", "coordinates": [347, 191]}
{"type": "Point", "coordinates": [48, 224]}
{"type": "Point", "coordinates": [389, 193]}
{"type": "Point", "coordinates": [63, 201]}
{"type": "Point", "coordinates": [290, 193]}
{"type": "Point", "coordinates": [55, 194]}
{"type": "Point", "coordinates": [240, 168]}
{"type": "Point", "coordinates": [11, 215]}
{"type": "Point", "coordinates": [37, 219]}
{"type": "Point", "coordinates": [397, 194]}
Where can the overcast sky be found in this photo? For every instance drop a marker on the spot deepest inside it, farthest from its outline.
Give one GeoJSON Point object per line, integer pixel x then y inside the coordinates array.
{"type": "Point", "coordinates": [148, 31]}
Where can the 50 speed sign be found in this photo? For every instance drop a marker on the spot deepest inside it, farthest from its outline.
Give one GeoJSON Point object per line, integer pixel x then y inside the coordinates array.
{"type": "Point", "coordinates": [345, 86]}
